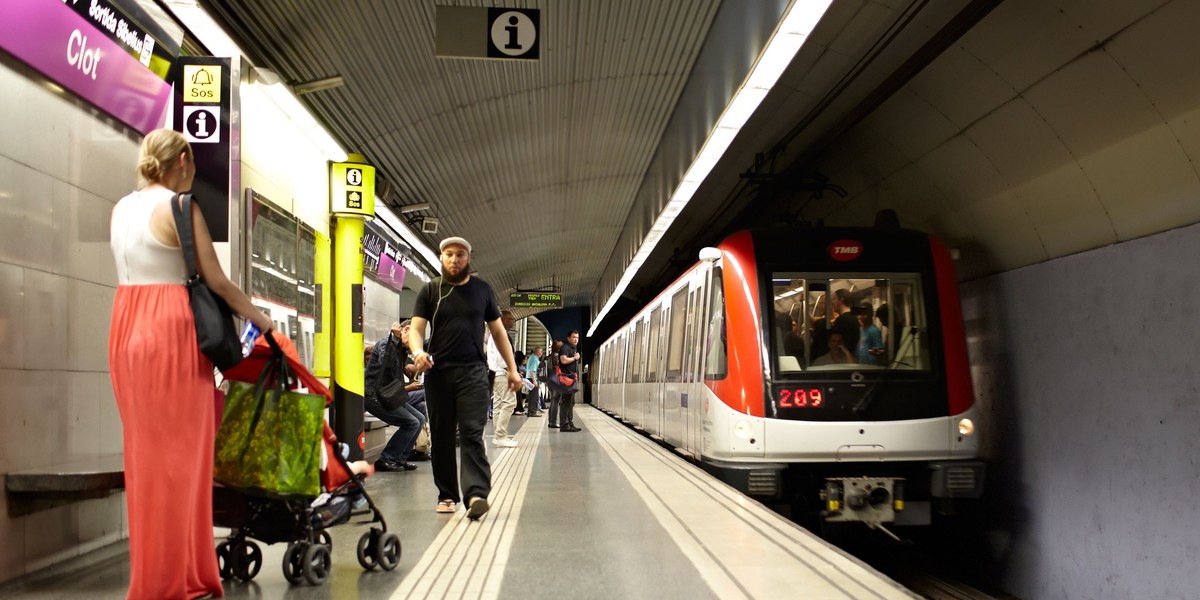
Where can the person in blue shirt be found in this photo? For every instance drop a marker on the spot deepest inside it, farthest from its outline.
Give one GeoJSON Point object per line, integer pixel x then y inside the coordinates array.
{"type": "Point", "coordinates": [534, 403]}
{"type": "Point", "coordinates": [869, 349]}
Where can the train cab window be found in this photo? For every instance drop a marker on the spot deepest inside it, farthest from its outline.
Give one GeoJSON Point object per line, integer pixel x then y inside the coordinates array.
{"type": "Point", "coordinates": [830, 322]}
{"type": "Point", "coordinates": [716, 360]}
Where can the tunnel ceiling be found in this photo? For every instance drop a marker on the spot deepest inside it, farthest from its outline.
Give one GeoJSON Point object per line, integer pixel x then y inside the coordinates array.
{"type": "Point", "coordinates": [1017, 131]}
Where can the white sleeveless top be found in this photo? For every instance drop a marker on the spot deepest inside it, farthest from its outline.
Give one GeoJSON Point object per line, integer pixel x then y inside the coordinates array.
{"type": "Point", "coordinates": [142, 259]}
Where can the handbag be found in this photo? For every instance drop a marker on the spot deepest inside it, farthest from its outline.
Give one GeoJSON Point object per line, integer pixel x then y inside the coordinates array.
{"type": "Point", "coordinates": [270, 436]}
{"type": "Point", "coordinates": [563, 379]}
{"type": "Point", "coordinates": [215, 331]}
{"type": "Point", "coordinates": [393, 394]}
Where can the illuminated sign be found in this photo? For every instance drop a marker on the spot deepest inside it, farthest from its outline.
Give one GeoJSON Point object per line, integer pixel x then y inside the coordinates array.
{"type": "Point", "coordinates": [535, 300]}
{"type": "Point", "coordinates": [799, 397]}
{"type": "Point", "coordinates": [353, 190]}
{"type": "Point", "coordinates": [487, 32]}
{"type": "Point", "coordinates": [845, 250]}
{"type": "Point", "coordinates": [68, 49]}
{"type": "Point", "coordinates": [202, 83]}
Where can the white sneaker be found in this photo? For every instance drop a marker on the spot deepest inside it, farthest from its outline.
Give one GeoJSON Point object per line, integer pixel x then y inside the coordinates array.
{"type": "Point", "coordinates": [505, 443]}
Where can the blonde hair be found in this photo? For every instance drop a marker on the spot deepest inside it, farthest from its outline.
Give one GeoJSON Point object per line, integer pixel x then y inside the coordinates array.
{"type": "Point", "coordinates": [160, 148]}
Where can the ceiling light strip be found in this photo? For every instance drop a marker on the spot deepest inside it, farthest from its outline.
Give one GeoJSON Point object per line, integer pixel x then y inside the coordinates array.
{"type": "Point", "coordinates": [789, 36]}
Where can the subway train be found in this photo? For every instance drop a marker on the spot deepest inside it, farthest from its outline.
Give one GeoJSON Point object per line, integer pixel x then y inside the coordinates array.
{"type": "Point", "coordinates": [822, 369]}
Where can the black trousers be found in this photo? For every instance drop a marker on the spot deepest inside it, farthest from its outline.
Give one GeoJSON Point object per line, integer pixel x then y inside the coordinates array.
{"type": "Point", "coordinates": [457, 397]}
{"type": "Point", "coordinates": [566, 409]}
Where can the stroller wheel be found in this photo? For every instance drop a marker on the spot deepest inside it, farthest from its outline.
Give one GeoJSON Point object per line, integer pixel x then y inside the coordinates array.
{"type": "Point", "coordinates": [224, 560]}
{"type": "Point", "coordinates": [323, 537]}
{"type": "Point", "coordinates": [317, 561]}
{"type": "Point", "coordinates": [293, 562]}
{"type": "Point", "coordinates": [367, 545]}
{"type": "Point", "coordinates": [246, 559]}
{"type": "Point", "coordinates": [388, 551]}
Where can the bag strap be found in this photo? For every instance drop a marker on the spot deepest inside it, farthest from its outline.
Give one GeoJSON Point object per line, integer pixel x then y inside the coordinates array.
{"type": "Point", "coordinates": [181, 207]}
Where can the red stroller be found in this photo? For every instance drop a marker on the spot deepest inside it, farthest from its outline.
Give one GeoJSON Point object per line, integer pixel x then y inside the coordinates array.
{"type": "Point", "coordinates": [301, 521]}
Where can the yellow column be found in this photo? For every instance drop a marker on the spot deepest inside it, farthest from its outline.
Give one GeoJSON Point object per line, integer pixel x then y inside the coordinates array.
{"type": "Point", "coordinates": [352, 202]}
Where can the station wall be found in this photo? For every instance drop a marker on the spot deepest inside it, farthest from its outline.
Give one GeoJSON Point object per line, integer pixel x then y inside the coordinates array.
{"type": "Point", "coordinates": [1086, 371]}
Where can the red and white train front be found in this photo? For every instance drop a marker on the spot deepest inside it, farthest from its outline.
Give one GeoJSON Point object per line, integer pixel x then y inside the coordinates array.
{"type": "Point", "coordinates": [826, 367]}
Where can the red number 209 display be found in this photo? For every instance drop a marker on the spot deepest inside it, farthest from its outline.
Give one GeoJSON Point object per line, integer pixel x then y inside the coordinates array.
{"type": "Point", "coordinates": [800, 398]}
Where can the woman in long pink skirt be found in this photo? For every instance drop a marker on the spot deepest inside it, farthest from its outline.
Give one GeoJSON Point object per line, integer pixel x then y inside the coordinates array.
{"type": "Point", "coordinates": [164, 386]}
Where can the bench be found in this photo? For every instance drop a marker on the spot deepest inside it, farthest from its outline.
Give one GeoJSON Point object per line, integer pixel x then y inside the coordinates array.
{"type": "Point", "coordinates": [375, 437]}
{"type": "Point", "coordinates": [32, 490]}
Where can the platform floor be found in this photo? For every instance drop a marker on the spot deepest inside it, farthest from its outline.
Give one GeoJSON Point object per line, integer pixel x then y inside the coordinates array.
{"type": "Point", "coordinates": [603, 513]}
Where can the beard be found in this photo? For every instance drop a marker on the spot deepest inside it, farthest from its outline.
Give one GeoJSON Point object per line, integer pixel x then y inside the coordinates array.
{"type": "Point", "coordinates": [455, 279]}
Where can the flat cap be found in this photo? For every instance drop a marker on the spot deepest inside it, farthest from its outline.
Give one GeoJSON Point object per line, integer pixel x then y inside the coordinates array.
{"type": "Point", "coordinates": [454, 240]}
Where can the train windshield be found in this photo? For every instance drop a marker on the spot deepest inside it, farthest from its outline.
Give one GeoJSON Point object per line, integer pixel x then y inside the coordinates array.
{"type": "Point", "coordinates": [859, 321]}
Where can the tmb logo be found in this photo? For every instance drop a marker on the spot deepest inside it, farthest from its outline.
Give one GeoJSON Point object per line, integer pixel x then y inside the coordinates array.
{"type": "Point", "coordinates": [844, 250]}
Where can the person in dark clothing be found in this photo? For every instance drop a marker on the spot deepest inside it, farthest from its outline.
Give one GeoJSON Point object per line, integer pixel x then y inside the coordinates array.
{"type": "Point", "coordinates": [386, 364]}
{"type": "Point", "coordinates": [551, 392]}
{"type": "Point", "coordinates": [456, 306]}
{"type": "Point", "coordinates": [568, 355]}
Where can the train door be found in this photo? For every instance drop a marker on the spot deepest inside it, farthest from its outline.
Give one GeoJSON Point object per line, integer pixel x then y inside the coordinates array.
{"type": "Point", "coordinates": [651, 421]}
{"type": "Point", "coordinates": [687, 376]}
{"type": "Point", "coordinates": [693, 404]}
{"type": "Point", "coordinates": [675, 392]}
{"type": "Point", "coordinates": [636, 395]}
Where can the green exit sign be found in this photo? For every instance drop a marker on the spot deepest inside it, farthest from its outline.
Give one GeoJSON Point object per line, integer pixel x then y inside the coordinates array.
{"type": "Point", "coordinates": [535, 300]}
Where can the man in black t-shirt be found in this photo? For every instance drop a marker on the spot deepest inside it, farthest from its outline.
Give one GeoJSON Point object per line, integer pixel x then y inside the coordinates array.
{"type": "Point", "coordinates": [568, 355]}
{"type": "Point", "coordinates": [457, 306]}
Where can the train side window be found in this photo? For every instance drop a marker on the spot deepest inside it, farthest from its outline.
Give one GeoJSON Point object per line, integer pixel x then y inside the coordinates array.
{"type": "Point", "coordinates": [635, 367]}
{"type": "Point", "coordinates": [653, 355]}
{"type": "Point", "coordinates": [675, 336]}
{"type": "Point", "coordinates": [716, 363]}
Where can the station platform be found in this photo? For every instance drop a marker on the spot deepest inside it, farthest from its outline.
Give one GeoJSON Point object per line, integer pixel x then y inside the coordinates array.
{"type": "Point", "coordinates": [602, 513]}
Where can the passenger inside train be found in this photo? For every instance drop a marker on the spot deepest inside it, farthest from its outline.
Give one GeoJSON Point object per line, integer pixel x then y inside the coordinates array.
{"type": "Point", "coordinates": [856, 317]}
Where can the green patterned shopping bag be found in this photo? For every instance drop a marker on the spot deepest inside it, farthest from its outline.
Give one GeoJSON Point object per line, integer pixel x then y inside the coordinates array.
{"type": "Point", "coordinates": [269, 439]}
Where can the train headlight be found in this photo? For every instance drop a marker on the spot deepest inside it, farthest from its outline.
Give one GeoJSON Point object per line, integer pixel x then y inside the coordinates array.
{"type": "Point", "coordinates": [743, 428]}
{"type": "Point", "coordinates": [966, 427]}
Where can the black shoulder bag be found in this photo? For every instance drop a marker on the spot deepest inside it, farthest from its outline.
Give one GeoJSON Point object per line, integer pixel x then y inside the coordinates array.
{"type": "Point", "coordinates": [215, 331]}
{"type": "Point", "coordinates": [392, 395]}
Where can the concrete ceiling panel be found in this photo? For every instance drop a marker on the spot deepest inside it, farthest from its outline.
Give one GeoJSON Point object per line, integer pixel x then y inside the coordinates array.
{"type": "Point", "coordinates": [1019, 142]}
{"type": "Point", "coordinates": [1004, 231]}
{"type": "Point", "coordinates": [961, 87]}
{"type": "Point", "coordinates": [1065, 210]}
{"type": "Point", "coordinates": [1145, 181]}
{"type": "Point", "coordinates": [1024, 41]}
{"type": "Point", "coordinates": [1092, 104]}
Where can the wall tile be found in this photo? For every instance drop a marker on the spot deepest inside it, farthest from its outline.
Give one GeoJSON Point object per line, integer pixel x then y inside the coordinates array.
{"type": "Point", "coordinates": [101, 158]}
{"type": "Point", "coordinates": [51, 536]}
{"type": "Point", "coordinates": [90, 314]}
{"type": "Point", "coordinates": [81, 437]}
{"type": "Point", "coordinates": [46, 120]}
{"type": "Point", "coordinates": [29, 231]}
{"type": "Point", "coordinates": [12, 531]}
{"type": "Point", "coordinates": [109, 420]}
{"type": "Point", "coordinates": [35, 416]}
{"type": "Point", "coordinates": [88, 252]}
{"type": "Point", "coordinates": [100, 521]}
{"type": "Point", "coordinates": [45, 318]}
{"type": "Point", "coordinates": [14, 84]}
{"type": "Point", "coordinates": [12, 331]}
